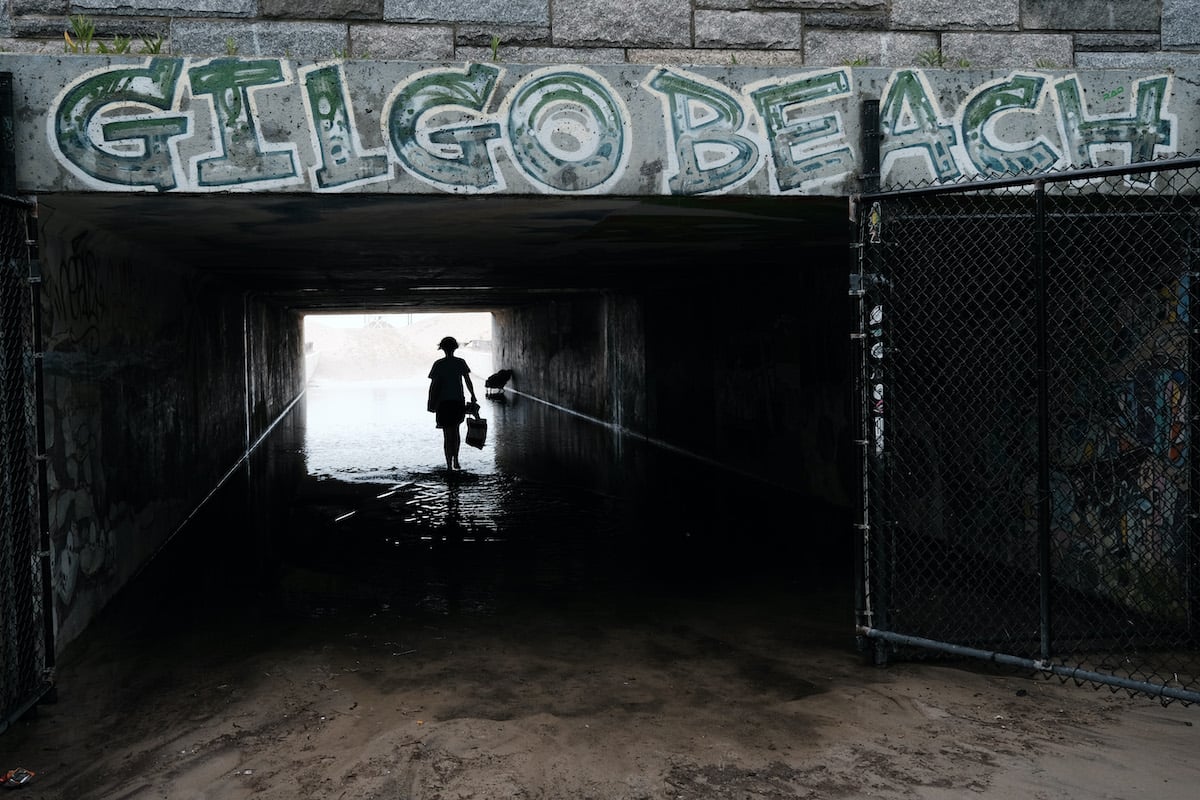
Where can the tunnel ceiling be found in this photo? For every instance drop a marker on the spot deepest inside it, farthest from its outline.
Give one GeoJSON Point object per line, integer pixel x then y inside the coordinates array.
{"type": "Point", "coordinates": [435, 253]}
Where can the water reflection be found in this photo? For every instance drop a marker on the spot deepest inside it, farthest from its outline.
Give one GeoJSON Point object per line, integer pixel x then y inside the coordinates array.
{"type": "Point", "coordinates": [377, 431]}
{"type": "Point", "coordinates": [552, 503]}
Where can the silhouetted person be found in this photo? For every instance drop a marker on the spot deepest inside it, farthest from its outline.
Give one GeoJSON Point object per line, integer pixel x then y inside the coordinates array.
{"type": "Point", "coordinates": [446, 379]}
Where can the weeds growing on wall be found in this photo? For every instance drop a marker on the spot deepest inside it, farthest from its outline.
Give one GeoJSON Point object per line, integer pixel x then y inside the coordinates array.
{"type": "Point", "coordinates": [936, 58]}
{"type": "Point", "coordinates": [80, 39]}
{"type": "Point", "coordinates": [84, 30]}
{"type": "Point", "coordinates": [120, 45]}
{"type": "Point", "coordinates": [152, 45]}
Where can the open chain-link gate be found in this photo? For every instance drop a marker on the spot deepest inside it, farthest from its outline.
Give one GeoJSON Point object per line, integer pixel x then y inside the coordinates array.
{"type": "Point", "coordinates": [1028, 475]}
{"type": "Point", "coordinates": [26, 625]}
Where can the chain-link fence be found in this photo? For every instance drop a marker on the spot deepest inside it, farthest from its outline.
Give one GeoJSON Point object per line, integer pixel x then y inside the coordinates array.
{"type": "Point", "coordinates": [24, 656]}
{"type": "Point", "coordinates": [1029, 481]}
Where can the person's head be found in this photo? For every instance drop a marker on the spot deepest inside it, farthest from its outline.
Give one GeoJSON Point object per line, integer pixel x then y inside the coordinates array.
{"type": "Point", "coordinates": [449, 344]}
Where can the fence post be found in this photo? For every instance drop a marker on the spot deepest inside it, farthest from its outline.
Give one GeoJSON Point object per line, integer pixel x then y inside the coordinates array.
{"type": "Point", "coordinates": [8, 137]}
{"type": "Point", "coordinates": [871, 139]}
{"type": "Point", "coordinates": [1192, 568]}
{"type": "Point", "coordinates": [39, 399]}
{"type": "Point", "coordinates": [1043, 416]}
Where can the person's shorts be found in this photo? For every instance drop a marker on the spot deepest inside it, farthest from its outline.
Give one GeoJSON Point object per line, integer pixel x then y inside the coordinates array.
{"type": "Point", "coordinates": [450, 413]}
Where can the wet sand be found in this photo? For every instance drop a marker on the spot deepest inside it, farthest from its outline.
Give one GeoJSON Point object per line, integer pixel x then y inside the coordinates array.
{"type": "Point", "coordinates": [728, 694]}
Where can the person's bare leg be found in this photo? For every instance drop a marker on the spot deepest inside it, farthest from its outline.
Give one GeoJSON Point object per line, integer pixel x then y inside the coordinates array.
{"type": "Point", "coordinates": [453, 441]}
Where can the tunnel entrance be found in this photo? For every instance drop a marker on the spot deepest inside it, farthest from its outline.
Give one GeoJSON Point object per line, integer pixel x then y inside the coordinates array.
{"type": "Point", "coordinates": [678, 420]}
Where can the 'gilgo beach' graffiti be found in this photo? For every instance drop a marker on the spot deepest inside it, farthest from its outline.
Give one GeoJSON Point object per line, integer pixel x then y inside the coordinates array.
{"type": "Point", "coordinates": [174, 124]}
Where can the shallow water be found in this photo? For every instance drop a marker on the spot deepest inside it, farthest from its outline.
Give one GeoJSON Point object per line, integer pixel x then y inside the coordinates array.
{"type": "Point", "coordinates": [552, 503]}
{"type": "Point", "coordinates": [377, 430]}
{"type": "Point", "coordinates": [361, 513]}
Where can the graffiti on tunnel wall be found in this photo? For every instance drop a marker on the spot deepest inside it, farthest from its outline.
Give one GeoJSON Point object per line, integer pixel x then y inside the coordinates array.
{"type": "Point", "coordinates": [178, 124]}
{"type": "Point", "coordinates": [1120, 487]}
{"type": "Point", "coordinates": [117, 342]}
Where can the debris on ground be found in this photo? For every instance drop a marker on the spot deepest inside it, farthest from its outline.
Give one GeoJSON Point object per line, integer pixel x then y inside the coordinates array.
{"type": "Point", "coordinates": [16, 778]}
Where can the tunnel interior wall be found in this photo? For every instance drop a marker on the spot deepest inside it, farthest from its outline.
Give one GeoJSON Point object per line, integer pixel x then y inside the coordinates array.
{"type": "Point", "coordinates": [750, 368]}
{"type": "Point", "coordinates": [146, 402]}
{"type": "Point", "coordinates": [559, 352]}
{"type": "Point", "coordinates": [275, 347]}
{"type": "Point", "coordinates": [748, 371]}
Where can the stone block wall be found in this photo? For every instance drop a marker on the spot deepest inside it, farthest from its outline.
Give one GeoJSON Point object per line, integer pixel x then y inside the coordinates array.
{"type": "Point", "coordinates": [888, 33]}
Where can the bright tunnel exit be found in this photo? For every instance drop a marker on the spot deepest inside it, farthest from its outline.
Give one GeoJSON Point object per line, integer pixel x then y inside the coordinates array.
{"type": "Point", "coordinates": [367, 378]}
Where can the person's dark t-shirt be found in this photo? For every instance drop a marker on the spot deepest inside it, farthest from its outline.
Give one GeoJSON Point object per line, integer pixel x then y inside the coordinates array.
{"type": "Point", "coordinates": [447, 374]}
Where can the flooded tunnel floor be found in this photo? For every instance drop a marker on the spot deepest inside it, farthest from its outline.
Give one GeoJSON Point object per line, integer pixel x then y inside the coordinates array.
{"type": "Point", "coordinates": [551, 505]}
{"type": "Point", "coordinates": [485, 542]}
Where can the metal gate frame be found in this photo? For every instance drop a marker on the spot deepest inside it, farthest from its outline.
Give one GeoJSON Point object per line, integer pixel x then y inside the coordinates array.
{"type": "Point", "coordinates": [27, 636]}
{"type": "Point", "coordinates": [1152, 655]}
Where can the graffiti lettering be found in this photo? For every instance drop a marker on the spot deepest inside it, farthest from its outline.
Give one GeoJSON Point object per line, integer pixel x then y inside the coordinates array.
{"type": "Point", "coordinates": [451, 154]}
{"type": "Point", "coordinates": [806, 148]}
{"type": "Point", "coordinates": [131, 151]}
{"type": "Point", "coordinates": [240, 155]}
{"type": "Point", "coordinates": [567, 130]}
{"type": "Point", "coordinates": [909, 120]}
{"type": "Point", "coordinates": [1142, 134]}
{"type": "Point", "coordinates": [711, 147]}
{"type": "Point", "coordinates": [343, 161]}
{"type": "Point", "coordinates": [999, 129]}
{"type": "Point", "coordinates": [984, 111]}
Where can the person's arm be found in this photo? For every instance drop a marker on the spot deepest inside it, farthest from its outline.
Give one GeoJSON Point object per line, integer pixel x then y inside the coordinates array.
{"type": "Point", "coordinates": [466, 373]}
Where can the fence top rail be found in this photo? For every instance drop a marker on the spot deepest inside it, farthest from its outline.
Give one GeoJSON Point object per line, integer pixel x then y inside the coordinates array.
{"type": "Point", "coordinates": [1082, 174]}
{"type": "Point", "coordinates": [21, 202]}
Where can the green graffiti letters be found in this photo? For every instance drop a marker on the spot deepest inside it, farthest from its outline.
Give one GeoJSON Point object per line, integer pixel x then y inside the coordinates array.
{"type": "Point", "coordinates": [804, 148]}
{"type": "Point", "coordinates": [704, 119]}
{"type": "Point", "coordinates": [456, 156]}
{"type": "Point", "coordinates": [335, 138]}
{"type": "Point", "coordinates": [242, 158]}
{"type": "Point", "coordinates": [567, 131]}
{"type": "Point", "coordinates": [147, 160]}
{"type": "Point", "coordinates": [1142, 133]}
{"type": "Point", "coordinates": [1020, 92]}
{"type": "Point", "coordinates": [909, 120]}
{"type": "Point", "coordinates": [174, 124]}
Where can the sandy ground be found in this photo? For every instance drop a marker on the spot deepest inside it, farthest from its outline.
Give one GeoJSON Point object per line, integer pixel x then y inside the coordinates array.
{"type": "Point", "coordinates": [731, 695]}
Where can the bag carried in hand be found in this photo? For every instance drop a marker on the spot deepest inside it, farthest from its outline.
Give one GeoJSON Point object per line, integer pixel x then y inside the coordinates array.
{"type": "Point", "coordinates": [476, 431]}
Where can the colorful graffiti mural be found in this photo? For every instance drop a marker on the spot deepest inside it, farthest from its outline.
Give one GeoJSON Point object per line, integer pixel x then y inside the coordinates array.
{"type": "Point", "coordinates": [177, 124]}
{"type": "Point", "coordinates": [1120, 487]}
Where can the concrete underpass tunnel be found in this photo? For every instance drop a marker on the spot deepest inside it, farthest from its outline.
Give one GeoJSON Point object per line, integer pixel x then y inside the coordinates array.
{"type": "Point", "coordinates": [681, 366]}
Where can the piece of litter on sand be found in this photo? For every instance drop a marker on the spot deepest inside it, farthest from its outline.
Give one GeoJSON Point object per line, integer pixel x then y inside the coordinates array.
{"type": "Point", "coordinates": [16, 778]}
